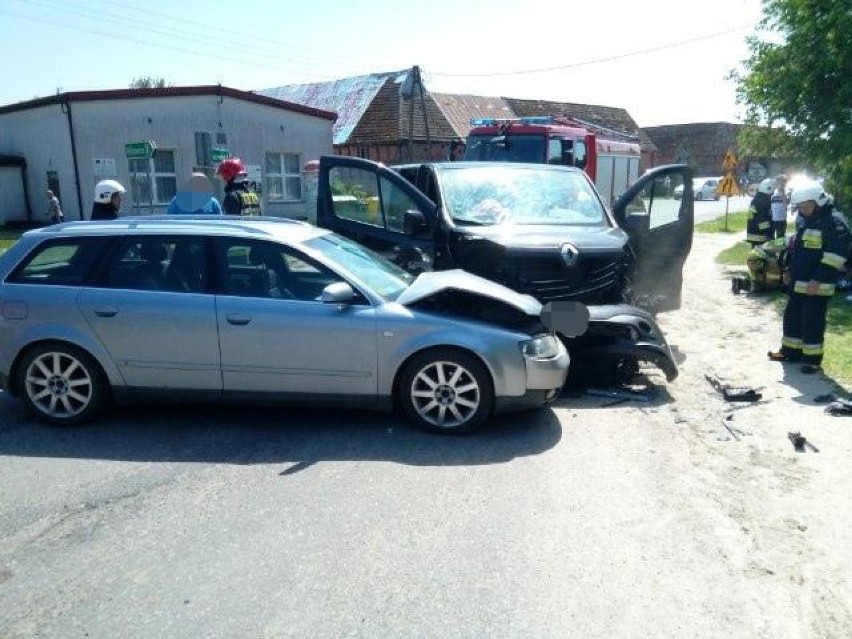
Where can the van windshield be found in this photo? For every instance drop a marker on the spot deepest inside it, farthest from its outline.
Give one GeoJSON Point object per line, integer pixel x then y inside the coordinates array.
{"type": "Point", "coordinates": [519, 194]}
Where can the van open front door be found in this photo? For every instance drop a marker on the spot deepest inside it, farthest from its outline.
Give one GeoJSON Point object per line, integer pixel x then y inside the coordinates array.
{"type": "Point", "coordinates": [660, 229]}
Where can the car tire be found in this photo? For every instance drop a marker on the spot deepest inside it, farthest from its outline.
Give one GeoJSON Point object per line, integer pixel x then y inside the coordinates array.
{"type": "Point", "coordinates": [61, 384]}
{"type": "Point", "coordinates": [698, 196]}
{"type": "Point", "coordinates": [446, 391]}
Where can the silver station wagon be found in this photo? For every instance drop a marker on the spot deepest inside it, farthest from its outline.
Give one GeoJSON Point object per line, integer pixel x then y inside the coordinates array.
{"type": "Point", "coordinates": [228, 308]}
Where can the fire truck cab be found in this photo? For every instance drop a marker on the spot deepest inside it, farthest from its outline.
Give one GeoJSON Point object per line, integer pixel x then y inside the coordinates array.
{"type": "Point", "coordinates": [610, 158]}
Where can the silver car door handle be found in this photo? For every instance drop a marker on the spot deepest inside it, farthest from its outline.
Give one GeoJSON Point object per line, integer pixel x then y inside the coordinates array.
{"type": "Point", "coordinates": [106, 311]}
{"type": "Point", "coordinates": [238, 319]}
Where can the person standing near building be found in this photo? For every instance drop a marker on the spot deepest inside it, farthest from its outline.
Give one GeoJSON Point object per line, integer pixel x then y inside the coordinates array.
{"type": "Point", "coordinates": [107, 200]}
{"type": "Point", "coordinates": [778, 205]}
{"type": "Point", "coordinates": [239, 199]}
{"type": "Point", "coordinates": [759, 224]}
{"type": "Point", "coordinates": [54, 209]}
{"type": "Point", "coordinates": [195, 197]}
{"type": "Point", "coordinates": [815, 264]}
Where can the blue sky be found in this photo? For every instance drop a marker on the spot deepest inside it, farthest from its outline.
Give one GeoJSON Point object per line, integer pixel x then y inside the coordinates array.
{"type": "Point", "coordinates": [662, 60]}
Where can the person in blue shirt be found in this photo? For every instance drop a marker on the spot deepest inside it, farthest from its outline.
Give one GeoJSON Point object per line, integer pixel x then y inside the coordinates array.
{"type": "Point", "coordinates": [195, 197]}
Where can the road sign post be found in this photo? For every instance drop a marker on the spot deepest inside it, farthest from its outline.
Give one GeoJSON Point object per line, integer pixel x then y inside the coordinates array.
{"type": "Point", "coordinates": [728, 185]}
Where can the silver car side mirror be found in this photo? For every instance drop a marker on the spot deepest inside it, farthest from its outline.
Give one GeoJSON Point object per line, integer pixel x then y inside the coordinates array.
{"type": "Point", "coordinates": [338, 293]}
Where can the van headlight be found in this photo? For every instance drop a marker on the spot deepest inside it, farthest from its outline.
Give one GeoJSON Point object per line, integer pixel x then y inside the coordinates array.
{"type": "Point", "coordinates": [541, 347]}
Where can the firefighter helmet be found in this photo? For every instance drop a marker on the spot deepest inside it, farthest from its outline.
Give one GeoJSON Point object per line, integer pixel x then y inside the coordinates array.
{"type": "Point", "coordinates": [766, 186]}
{"type": "Point", "coordinates": [809, 191]}
{"type": "Point", "coordinates": [231, 167]}
{"type": "Point", "coordinates": [105, 189]}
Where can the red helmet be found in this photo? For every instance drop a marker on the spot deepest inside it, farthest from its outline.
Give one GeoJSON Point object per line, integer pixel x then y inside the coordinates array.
{"type": "Point", "coordinates": [229, 168]}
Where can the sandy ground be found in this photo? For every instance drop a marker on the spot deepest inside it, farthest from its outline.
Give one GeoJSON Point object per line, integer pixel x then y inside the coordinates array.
{"type": "Point", "coordinates": [792, 508]}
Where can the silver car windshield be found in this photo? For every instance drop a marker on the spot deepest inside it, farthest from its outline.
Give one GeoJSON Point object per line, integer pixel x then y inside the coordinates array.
{"type": "Point", "coordinates": [493, 195]}
{"type": "Point", "coordinates": [371, 269]}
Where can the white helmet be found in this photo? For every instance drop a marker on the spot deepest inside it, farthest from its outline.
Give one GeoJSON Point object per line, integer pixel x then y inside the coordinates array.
{"type": "Point", "coordinates": [809, 191]}
{"type": "Point", "coordinates": [105, 189]}
{"type": "Point", "coordinates": [766, 186]}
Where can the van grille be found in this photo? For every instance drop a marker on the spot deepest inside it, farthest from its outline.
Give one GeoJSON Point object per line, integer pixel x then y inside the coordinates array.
{"type": "Point", "coordinates": [593, 280]}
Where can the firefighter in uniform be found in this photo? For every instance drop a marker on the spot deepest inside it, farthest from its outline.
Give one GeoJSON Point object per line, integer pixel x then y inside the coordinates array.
{"type": "Point", "coordinates": [766, 264]}
{"type": "Point", "coordinates": [816, 262]}
{"type": "Point", "coordinates": [759, 226]}
{"type": "Point", "coordinates": [239, 199]}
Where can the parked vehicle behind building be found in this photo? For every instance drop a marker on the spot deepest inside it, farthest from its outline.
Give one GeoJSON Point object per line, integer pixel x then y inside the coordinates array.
{"type": "Point", "coordinates": [538, 229]}
{"type": "Point", "coordinates": [238, 308]}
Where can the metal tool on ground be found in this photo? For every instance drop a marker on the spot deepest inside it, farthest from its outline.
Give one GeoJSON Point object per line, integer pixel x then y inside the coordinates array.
{"type": "Point", "coordinates": [800, 442]}
{"type": "Point", "coordinates": [735, 393]}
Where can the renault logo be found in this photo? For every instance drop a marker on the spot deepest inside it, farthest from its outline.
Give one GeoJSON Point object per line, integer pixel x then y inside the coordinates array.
{"type": "Point", "coordinates": [570, 254]}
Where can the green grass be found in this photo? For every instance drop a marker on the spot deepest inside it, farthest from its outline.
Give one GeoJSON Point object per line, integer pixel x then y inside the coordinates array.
{"type": "Point", "coordinates": [736, 223]}
{"type": "Point", "coordinates": [7, 238]}
{"type": "Point", "coordinates": [734, 255]}
{"type": "Point", "coordinates": [838, 340]}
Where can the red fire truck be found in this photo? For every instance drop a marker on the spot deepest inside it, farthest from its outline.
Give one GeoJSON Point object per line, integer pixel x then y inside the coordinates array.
{"type": "Point", "coordinates": [610, 158]}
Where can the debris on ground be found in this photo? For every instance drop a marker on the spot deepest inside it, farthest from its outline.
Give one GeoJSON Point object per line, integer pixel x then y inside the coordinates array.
{"type": "Point", "coordinates": [736, 433]}
{"type": "Point", "coordinates": [800, 442]}
{"type": "Point", "coordinates": [735, 393]}
{"type": "Point", "coordinates": [839, 407]}
{"type": "Point", "coordinates": [825, 399]}
{"type": "Point", "coordinates": [620, 395]}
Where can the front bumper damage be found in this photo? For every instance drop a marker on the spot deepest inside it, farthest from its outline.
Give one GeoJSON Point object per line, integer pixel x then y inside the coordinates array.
{"type": "Point", "coordinates": [618, 339]}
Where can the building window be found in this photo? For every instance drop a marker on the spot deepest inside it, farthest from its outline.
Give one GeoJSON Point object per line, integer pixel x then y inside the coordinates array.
{"type": "Point", "coordinates": [153, 181]}
{"type": "Point", "coordinates": [283, 177]}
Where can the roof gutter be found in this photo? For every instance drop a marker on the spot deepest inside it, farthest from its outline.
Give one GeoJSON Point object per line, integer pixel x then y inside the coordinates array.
{"type": "Point", "coordinates": [66, 108]}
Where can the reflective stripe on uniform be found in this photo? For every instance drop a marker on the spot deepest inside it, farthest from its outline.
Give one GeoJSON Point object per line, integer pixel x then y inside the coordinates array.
{"type": "Point", "coordinates": [812, 239]}
{"type": "Point", "coordinates": [833, 259]}
{"type": "Point", "coordinates": [250, 204]}
{"type": "Point", "coordinates": [753, 237]}
{"type": "Point", "coordinates": [824, 289]}
{"type": "Point", "coordinates": [764, 225]}
{"type": "Point", "coordinates": [812, 349]}
{"type": "Point", "coordinates": [793, 343]}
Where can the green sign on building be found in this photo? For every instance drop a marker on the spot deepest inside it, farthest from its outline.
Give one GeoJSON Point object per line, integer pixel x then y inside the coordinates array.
{"type": "Point", "coordinates": [143, 150]}
{"type": "Point", "coordinates": [220, 154]}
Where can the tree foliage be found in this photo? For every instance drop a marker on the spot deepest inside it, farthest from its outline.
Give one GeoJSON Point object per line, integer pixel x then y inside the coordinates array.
{"type": "Point", "coordinates": [149, 82]}
{"type": "Point", "coordinates": [797, 90]}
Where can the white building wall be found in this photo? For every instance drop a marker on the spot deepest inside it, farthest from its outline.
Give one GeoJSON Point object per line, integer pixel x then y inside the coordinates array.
{"type": "Point", "coordinates": [41, 136]}
{"type": "Point", "coordinates": [103, 128]}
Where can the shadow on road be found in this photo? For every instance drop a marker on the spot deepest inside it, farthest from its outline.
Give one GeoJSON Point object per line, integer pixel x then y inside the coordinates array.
{"type": "Point", "coordinates": [260, 435]}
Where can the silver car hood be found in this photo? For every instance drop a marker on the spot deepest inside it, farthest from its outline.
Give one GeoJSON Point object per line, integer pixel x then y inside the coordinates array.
{"type": "Point", "coordinates": [431, 283]}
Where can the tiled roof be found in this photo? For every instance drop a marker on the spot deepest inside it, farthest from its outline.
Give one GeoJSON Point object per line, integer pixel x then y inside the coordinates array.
{"type": "Point", "coordinates": [348, 97]}
{"type": "Point", "coordinates": [388, 118]}
{"type": "Point", "coordinates": [609, 117]}
{"type": "Point", "coordinates": [461, 109]}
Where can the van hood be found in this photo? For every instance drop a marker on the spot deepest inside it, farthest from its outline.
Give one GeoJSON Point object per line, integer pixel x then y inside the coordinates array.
{"type": "Point", "coordinates": [551, 236]}
{"type": "Point", "coordinates": [434, 282]}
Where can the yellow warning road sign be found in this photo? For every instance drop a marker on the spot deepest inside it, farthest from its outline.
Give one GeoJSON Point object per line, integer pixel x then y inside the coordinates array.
{"type": "Point", "coordinates": [730, 161]}
{"type": "Point", "coordinates": [728, 186]}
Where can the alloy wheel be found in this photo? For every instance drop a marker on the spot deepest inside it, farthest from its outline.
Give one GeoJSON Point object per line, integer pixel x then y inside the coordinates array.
{"type": "Point", "coordinates": [59, 385]}
{"type": "Point", "coordinates": [445, 394]}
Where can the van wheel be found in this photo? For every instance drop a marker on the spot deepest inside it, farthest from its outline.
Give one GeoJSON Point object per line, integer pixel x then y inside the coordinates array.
{"type": "Point", "coordinates": [446, 391]}
{"type": "Point", "coordinates": [61, 384]}
{"type": "Point", "coordinates": [698, 196]}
